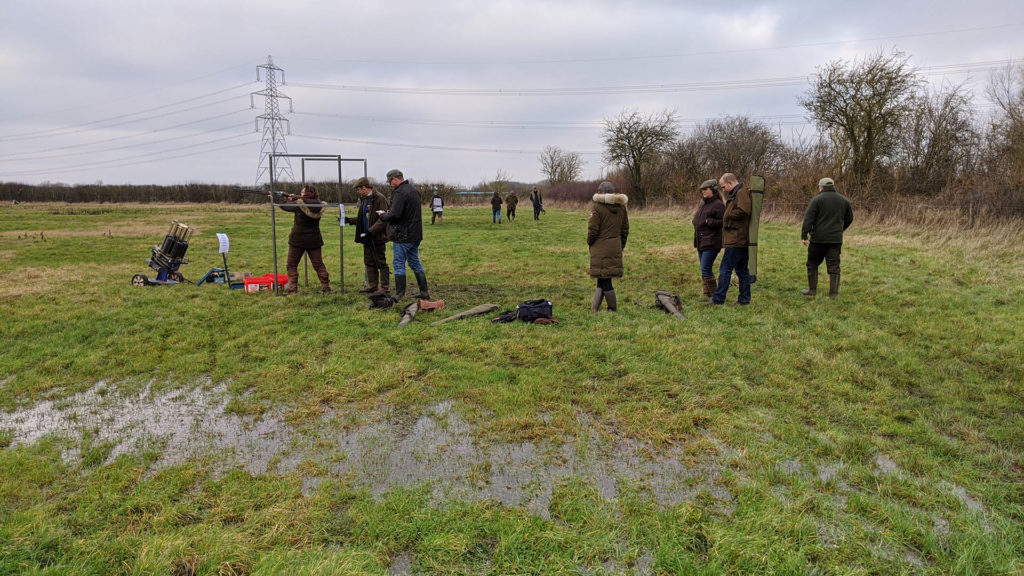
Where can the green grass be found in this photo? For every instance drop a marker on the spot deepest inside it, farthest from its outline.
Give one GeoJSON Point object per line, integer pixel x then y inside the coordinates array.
{"type": "Point", "coordinates": [794, 405]}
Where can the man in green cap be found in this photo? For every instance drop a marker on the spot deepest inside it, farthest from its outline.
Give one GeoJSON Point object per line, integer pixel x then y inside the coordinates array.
{"type": "Point", "coordinates": [405, 228]}
{"type": "Point", "coordinates": [827, 216]}
{"type": "Point", "coordinates": [372, 233]}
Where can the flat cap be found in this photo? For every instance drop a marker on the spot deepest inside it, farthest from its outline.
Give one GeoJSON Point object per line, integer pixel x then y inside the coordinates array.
{"type": "Point", "coordinates": [363, 182]}
{"type": "Point", "coordinates": [713, 184]}
{"type": "Point", "coordinates": [394, 173]}
{"type": "Point", "coordinates": [826, 182]}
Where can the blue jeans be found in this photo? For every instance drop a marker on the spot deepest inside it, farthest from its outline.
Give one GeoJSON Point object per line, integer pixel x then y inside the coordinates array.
{"type": "Point", "coordinates": [734, 259]}
{"type": "Point", "coordinates": [496, 216]}
{"type": "Point", "coordinates": [407, 252]}
{"type": "Point", "coordinates": [707, 262]}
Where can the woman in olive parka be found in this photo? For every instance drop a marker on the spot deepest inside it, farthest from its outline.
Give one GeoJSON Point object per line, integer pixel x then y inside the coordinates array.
{"type": "Point", "coordinates": [607, 231]}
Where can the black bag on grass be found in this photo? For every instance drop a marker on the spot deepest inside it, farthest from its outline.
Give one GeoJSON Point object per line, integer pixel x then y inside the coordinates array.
{"type": "Point", "coordinates": [531, 310]}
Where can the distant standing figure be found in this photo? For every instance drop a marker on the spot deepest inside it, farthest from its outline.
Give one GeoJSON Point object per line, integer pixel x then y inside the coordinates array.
{"type": "Point", "coordinates": [405, 228]}
{"type": "Point", "coordinates": [538, 203]}
{"type": "Point", "coordinates": [436, 208]}
{"type": "Point", "coordinates": [735, 230]}
{"type": "Point", "coordinates": [496, 208]}
{"type": "Point", "coordinates": [511, 201]}
{"type": "Point", "coordinates": [607, 231]}
{"type": "Point", "coordinates": [372, 233]}
{"type": "Point", "coordinates": [305, 238]}
{"type": "Point", "coordinates": [828, 215]}
{"type": "Point", "coordinates": [707, 233]}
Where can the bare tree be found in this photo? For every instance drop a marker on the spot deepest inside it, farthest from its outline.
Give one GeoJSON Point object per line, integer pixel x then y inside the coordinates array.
{"type": "Point", "coordinates": [500, 182]}
{"type": "Point", "coordinates": [560, 166]}
{"type": "Point", "coordinates": [938, 142]}
{"type": "Point", "coordinates": [864, 103]}
{"type": "Point", "coordinates": [635, 141]}
{"type": "Point", "coordinates": [1006, 131]}
{"type": "Point", "coordinates": [738, 144]}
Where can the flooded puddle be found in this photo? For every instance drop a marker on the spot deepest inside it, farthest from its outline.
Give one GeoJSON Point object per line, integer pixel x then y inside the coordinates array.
{"type": "Point", "coordinates": [436, 449]}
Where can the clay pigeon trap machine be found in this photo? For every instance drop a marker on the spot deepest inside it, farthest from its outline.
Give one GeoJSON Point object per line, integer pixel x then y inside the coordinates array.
{"type": "Point", "coordinates": [167, 257]}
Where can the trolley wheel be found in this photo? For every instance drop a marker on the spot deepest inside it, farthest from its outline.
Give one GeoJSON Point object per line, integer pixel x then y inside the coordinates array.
{"type": "Point", "coordinates": [176, 276]}
{"type": "Point", "coordinates": [139, 280]}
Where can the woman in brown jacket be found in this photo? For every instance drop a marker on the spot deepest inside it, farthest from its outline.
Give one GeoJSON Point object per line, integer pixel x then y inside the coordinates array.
{"type": "Point", "coordinates": [607, 231]}
{"type": "Point", "coordinates": [707, 233]}
{"type": "Point", "coordinates": [305, 238]}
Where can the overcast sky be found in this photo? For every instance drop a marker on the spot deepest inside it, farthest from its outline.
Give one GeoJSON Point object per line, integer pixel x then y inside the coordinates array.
{"type": "Point", "coordinates": [159, 92]}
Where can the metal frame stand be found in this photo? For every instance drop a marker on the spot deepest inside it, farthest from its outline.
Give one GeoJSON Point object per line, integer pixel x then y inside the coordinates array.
{"type": "Point", "coordinates": [341, 208]}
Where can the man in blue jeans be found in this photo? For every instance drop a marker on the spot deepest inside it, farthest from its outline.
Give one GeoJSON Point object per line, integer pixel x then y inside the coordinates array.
{"type": "Point", "coordinates": [735, 224]}
{"type": "Point", "coordinates": [405, 227]}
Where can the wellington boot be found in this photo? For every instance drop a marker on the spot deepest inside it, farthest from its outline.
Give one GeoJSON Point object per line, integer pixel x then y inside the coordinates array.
{"type": "Point", "coordinates": [833, 285]}
{"type": "Point", "coordinates": [385, 282]}
{"type": "Point", "coordinates": [293, 282]}
{"type": "Point", "coordinates": [609, 297]}
{"type": "Point", "coordinates": [421, 279]}
{"type": "Point", "coordinates": [812, 283]}
{"type": "Point", "coordinates": [598, 297]}
{"type": "Point", "coordinates": [325, 281]}
{"type": "Point", "coordinates": [710, 283]}
{"type": "Point", "coordinates": [399, 286]}
{"type": "Point", "coordinates": [371, 281]}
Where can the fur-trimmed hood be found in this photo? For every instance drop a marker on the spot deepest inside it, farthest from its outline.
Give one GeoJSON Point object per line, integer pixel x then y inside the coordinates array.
{"type": "Point", "coordinates": [620, 199]}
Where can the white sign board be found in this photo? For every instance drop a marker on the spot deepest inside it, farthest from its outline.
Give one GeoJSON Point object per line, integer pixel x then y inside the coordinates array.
{"type": "Point", "coordinates": [223, 240]}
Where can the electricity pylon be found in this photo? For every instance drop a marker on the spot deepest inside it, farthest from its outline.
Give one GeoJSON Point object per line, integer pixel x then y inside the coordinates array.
{"type": "Point", "coordinates": [273, 125]}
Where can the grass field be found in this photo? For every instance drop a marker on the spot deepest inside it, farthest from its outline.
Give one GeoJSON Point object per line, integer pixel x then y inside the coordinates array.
{"type": "Point", "coordinates": [199, 430]}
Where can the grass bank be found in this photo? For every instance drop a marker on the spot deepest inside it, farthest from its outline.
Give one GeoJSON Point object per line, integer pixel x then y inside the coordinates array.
{"type": "Point", "coordinates": [879, 433]}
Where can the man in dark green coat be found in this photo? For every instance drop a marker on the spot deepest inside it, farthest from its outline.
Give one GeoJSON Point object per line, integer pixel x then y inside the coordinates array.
{"type": "Point", "coordinates": [827, 216]}
{"type": "Point", "coordinates": [372, 233]}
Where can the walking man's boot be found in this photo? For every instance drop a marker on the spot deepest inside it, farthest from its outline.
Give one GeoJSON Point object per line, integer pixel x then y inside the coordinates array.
{"type": "Point", "coordinates": [812, 283]}
{"type": "Point", "coordinates": [399, 286]}
{"type": "Point", "coordinates": [371, 281]}
{"type": "Point", "coordinates": [833, 285]}
{"type": "Point", "coordinates": [609, 297]}
{"type": "Point", "coordinates": [598, 296]}
{"type": "Point", "coordinates": [421, 279]}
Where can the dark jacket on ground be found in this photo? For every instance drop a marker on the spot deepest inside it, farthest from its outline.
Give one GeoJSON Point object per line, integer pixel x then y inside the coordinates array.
{"type": "Point", "coordinates": [828, 214]}
{"type": "Point", "coordinates": [405, 218]}
{"type": "Point", "coordinates": [305, 232]}
{"type": "Point", "coordinates": [378, 231]}
{"type": "Point", "coordinates": [707, 224]}
{"type": "Point", "coordinates": [607, 231]}
{"type": "Point", "coordinates": [496, 201]}
{"type": "Point", "coordinates": [736, 219]}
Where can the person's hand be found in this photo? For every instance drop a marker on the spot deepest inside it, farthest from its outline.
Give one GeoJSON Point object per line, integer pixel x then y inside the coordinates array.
{"type": "Point", "coordinates": [379, 212]}
{"type": "Point", "coordinates": [805, 242]}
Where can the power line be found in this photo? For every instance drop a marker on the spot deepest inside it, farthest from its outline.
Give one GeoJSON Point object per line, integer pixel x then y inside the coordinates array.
{"type": "Point", "coordinates": [658, 56]}
{"type": "Point", "coordinates": [519, 124]}
{"type": "Point", "coordinates": [428, 146]}
{"type": "Point", "coordinates": [742, 84]}
{"type": "Point", "coordinates": [130, 97]}
{"type": "Point", "coordinates": [122, 137]}
{"type": "Point", "coordinates": [100, 164]}
{"type": "Point", "coordinates": [115, 148]}
{"type": "Point", "coordinates": [74, 128]}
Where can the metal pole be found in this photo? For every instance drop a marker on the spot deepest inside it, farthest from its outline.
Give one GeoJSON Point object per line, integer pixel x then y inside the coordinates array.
{"type": "Point", "coordinates": [341, 235]}
{"type": "Point", "coordinates": [273, 224]}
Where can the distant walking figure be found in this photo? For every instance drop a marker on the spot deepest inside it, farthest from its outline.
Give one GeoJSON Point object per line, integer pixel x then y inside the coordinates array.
{"type": "Point", "coordinates": [496, 203]}
{"type": "Point", "coordinates": [538, 203]}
